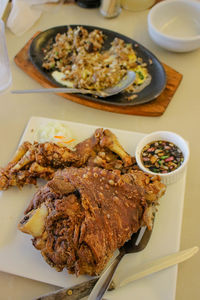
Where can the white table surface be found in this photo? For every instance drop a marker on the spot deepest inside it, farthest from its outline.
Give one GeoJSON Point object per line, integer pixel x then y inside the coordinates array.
{"type": "Point", "coordinates": [181, 116]}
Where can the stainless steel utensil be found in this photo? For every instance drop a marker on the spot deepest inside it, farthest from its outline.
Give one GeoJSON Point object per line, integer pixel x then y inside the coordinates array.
{"type": "Point", "coordinates": [81, 290]}
{"type": "Point", "coordinates": [137, 243]}
{"type": "Point", "coordinates": [123, 84]}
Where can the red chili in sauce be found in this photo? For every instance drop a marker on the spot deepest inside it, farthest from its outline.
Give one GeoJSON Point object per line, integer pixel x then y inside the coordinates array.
{"type": "Point", "coordinates": [161, 157]}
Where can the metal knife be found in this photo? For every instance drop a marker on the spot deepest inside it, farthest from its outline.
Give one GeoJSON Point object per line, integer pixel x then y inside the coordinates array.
{"type": "Point", "coordinates": [79, 291]}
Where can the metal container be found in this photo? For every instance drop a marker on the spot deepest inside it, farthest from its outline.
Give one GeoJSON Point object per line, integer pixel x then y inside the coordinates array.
{"type": "Point", "coordinates": [110, 8]}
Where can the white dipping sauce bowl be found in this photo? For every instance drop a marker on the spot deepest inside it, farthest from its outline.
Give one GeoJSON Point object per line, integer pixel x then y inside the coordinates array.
{"type": "Point", "coordinates": [175, 25]}
{"type": "Point", "coordinates": [166, 178]}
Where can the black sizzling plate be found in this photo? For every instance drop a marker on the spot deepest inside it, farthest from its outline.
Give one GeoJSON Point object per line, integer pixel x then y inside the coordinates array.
{"type": "Point", "coordinates": [156, 70]}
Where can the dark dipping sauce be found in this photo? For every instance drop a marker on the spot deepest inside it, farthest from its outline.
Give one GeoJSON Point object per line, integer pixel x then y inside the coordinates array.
{"type": "Point", "coordinates": [161, 157]}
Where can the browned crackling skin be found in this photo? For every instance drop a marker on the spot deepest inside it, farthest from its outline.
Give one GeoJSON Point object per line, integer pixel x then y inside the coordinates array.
{"type": "Point", "coordinates": [41, 160]}
{"type": "Point", "coordinates": [91, 212]}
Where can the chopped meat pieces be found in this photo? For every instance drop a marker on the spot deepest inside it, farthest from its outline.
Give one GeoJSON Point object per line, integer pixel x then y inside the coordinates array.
{"type": "Point", "coordinates": [82, 60]}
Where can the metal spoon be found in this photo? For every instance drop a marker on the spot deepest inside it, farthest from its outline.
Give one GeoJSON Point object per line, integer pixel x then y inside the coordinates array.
{"type": "Point", "coordinates": [123, 84]}
{"type": "Point", "coordinates": [137, 243]}
{"type": "Point", "coordinates": [98, 286]}
{"type": "Point", "coordinates": [81, 290]}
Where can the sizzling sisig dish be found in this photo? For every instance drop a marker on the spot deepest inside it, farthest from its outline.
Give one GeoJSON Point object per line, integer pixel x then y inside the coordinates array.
{"type": "Point", "coordinates": [76, 59]}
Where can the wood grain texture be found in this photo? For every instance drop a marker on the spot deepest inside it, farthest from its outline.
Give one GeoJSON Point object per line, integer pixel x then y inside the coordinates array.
{"type": "Point", "coordinates": [154, 108]}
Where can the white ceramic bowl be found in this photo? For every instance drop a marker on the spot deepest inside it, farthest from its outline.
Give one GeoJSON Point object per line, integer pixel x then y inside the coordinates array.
{"type": "Point", "coordinates": [175, 25]}
{"type": "Point", "coordinates": [173, 176]}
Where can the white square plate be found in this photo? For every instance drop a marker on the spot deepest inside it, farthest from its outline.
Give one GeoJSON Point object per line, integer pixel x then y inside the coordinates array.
{"type": "Point", "coordinates": [18, 256]}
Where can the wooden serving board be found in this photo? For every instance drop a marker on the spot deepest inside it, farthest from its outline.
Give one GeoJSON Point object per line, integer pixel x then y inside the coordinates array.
{"type": "Point", "coordinates": [154, 108]}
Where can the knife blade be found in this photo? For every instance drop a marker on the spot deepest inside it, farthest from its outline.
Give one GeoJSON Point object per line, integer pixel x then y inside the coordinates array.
{"type": "Point", "coordinates": [79, 291]}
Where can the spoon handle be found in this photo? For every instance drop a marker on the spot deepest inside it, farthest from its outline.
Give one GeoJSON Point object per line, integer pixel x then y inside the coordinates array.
{"type": "Point", "coordinates": [53, 90]}
{"type": "Point", "coordinates": [104, 281]}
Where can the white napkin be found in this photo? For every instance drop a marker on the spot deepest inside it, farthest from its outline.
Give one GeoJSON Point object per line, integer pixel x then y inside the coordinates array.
{"type": "Point", "coordinates": [23, 15]}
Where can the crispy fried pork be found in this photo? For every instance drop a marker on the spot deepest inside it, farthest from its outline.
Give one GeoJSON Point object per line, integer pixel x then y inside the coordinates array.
{"type": "Point", "coordinates": [80, 217]}
{"type": "Point", "coordinates": [42, 160]}
{"type": "Point", "coordinates": [95, 199]}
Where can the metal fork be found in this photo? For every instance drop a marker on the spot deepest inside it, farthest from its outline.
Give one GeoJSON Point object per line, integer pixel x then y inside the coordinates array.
{"type": "Point", "coordinates": [137, 243]}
